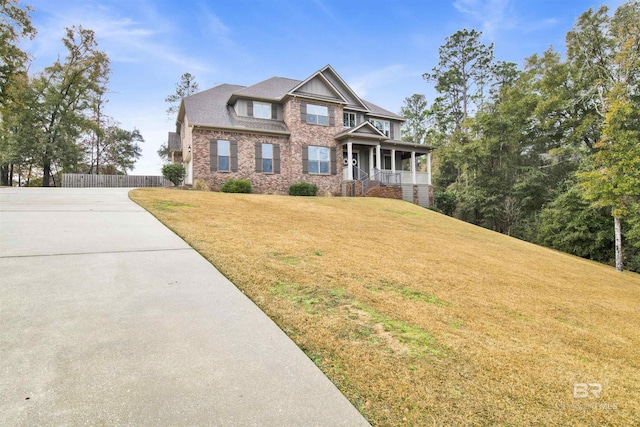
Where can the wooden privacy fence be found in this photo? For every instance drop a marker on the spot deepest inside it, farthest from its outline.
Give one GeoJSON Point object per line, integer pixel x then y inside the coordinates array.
{"type": "Point", "coordinates": [127, 181]}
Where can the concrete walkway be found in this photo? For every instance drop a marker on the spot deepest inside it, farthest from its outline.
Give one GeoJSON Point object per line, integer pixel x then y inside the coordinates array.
{"type": "Point", "coordinates": [108, 318]}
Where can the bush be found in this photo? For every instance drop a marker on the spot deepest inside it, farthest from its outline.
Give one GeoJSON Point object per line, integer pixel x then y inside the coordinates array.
{"type": "Point", "coordinates": [446, 201]}
{"type": "Point", "coordinates": [174, 172]}
{"type": "Point", "coordinates": [303, 189]}
{"type": "Point", "coordinates": [236, 186]}
{"type": "Point", "coordinates": [199, 185]}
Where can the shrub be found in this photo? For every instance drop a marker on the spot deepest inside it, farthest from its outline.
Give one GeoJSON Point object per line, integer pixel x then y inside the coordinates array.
{"type": "Point", "coordinates": [200, 185]}
{"type": "Point", "coordinates": [303, 189]}
{"type": "Point", "coordinates": [236, 186]}
{"type": "Point", "coordinates": [174, 172]}
{"type": "Point", "coordinates": [446, 201]}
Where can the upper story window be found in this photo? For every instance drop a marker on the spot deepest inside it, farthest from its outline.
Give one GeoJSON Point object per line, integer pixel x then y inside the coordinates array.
{"type": "Point", "coordinates": [317, 114]}
{"type": "Point", "coordinates": [224, 155]}
{"type": "Point", "coordinates": [261, 110]}
{"type": "Point", "coordinates": [383, 126]}
{"type": "Point", "coordinates": [319, 158]}
{"type": "Point", "coordinates": [349, 119]}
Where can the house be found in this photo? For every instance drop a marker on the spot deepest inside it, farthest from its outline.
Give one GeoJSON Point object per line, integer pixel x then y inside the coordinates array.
{"type": "Point", "coordinates": [280, 131]}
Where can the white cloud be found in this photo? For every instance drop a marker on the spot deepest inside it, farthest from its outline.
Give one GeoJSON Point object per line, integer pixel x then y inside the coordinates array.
{"type": "Point", "coordinates": [491, 14]}
{"type": "Point", "coordinates": [380, 78]}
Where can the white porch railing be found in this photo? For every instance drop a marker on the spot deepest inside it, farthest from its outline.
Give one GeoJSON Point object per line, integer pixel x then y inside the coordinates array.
{"type": "Point", "coordinates": [394, 178]}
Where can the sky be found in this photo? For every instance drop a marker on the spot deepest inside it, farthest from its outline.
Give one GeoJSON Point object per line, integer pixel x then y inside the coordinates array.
{"type": "Point", "coordinates": [380, 48]}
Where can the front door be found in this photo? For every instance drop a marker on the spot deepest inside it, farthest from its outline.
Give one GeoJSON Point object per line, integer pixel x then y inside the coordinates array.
{"type": "Point", "coordinates": [355, 162]}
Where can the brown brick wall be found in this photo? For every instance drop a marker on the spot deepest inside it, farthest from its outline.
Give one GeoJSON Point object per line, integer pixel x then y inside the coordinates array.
{"type": "Point", "coordinates": [390, 192]}
{"type": "Point", "coordinates": [290, 154]}
{"type": "Point", "coordinates": [322, 136]}
{"type": "Point", "coordinates": [261, 182]}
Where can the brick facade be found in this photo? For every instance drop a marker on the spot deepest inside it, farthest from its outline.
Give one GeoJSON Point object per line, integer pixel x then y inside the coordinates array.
{"type": "Point", "coordinates": [387, 192]}
{"type": "Point", "coordinates": [291, 149]}
{"type": "Point", "coordinates": [269, 183]}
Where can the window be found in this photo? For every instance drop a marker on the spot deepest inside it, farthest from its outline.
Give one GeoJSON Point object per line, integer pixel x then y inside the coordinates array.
{"type": "Point", "coordinates": [267, 158]}
{"type": "Point", "coordinates": [261, 110]}
{"type": "Point", "coordinates": [382, 125]}
{"type": "Point", "coordinates": [319, 160]}
{"type": "Point", "coordinates": [317, 114]}
{"type": "Point", "coordinates": [224, 156]}
{"type": "Point", "coordinates": [349, 119]}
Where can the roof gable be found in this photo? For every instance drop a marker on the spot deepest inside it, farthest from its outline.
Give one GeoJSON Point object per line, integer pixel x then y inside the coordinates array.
{"type": "Point", "coordinates": [363, 130]}
{"type": "Point", "coordinates": [353, 100]}
{"type": "Point", "coordinates": [318, 87]}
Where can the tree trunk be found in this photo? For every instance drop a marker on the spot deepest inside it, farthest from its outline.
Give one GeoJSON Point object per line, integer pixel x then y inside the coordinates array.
{"type": "Point", "coordinates": [618, 239]}
{"type": "Point", "coordinates": [4, 175]}
{"type": "Point", "coordinates": [11, 175]}
{"type": "Point", "coordinates": [46, 177]}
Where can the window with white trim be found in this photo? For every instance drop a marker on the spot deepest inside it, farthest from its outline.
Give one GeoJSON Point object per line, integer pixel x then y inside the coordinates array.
{"type": "Point", "coordinates": [383, 126]}
{"type": "Point", "coordinates": [224, 156]}
{"type": "Point", "coordinates": [317, 114]}
{"type": "Point", "coordinates": [267, 158]}
{"type": "Point", "coordinates": [349, 119]}
{"type": "Point", "coordinates": [261, 110]}
{"type": "Point", "coordinates": [319, 159]}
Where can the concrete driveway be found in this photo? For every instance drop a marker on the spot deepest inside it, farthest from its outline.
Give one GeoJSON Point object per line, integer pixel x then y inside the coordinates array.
{"type": "Point", "coordinates": [108, 318]}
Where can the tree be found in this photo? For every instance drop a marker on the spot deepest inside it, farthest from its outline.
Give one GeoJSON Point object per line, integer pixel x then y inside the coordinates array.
{"type": "Point", "coordinates": [174, 172]}
{"type": "Point", "coordinates": [15, 25]}
{"type": "Point", "coordinates": [461, 76]}
{"type": "Point", "coordinates": [613, 56]}
{"type": "Point", "coordinates": [185, 87]}
{"type": "Point", "coordinates": [415, 111]}
{"type": "Point", "coordinates": [163, 152]}
{"type": "Point", "coordinates": [64, 93]}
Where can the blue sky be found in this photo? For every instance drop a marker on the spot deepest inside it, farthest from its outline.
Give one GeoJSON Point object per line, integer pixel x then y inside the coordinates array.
{"type": "Point", "coordinates": [380, 48]}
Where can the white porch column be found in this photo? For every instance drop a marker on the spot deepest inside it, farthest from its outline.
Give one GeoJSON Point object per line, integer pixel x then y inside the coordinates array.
{"type": "Point", "coordinates": [371, 162]}
{"type": "Point", "coordinates": [378, 158]}
{"type": "Point", "coordinates": [349, 161]}
{"type": "Point", "coordinates": [429, 168]}
{"type": "Point", "coordinates": [393, 161]}
{"type": "Point", "coordinates": [413, 168]}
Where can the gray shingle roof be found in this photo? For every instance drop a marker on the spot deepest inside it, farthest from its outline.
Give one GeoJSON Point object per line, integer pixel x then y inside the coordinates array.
{"type": "Point", "coordinates": [375, 110]}
{"type": "Point", "coordinates": [174, 142]}
{"type": "Point", "coordinates": [210, 107]}
{"type": "Point", "coordinates": [274, 88]}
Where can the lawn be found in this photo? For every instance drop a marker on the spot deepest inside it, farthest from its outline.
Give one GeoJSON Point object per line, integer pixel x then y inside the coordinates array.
{"type": "Point", "coordinates": [420, 319]}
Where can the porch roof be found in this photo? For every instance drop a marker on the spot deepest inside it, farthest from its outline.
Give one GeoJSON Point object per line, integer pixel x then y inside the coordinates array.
{"type": "Point", "coordinates": [386, 144]}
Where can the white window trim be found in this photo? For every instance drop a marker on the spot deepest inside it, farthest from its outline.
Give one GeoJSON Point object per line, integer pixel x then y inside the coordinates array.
{"type": "Point", "coordinates": [267, 158]}
{"type": "Point", "coordinates": [259, 106]}
{"type": "Point", "coordinates": [318, 161]}
{"type": "Point", "coordinates": [227, 156]}
{"type": "Point", "coordinates": [315, 113]}
{"type": "Point", "coordinates": [387, 128]}
{"type": "Point", "coordinates": [355, 119]}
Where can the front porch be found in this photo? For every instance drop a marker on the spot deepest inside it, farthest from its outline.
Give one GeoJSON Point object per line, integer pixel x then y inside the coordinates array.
{"type": "Point", "coordinates": [372, 172]}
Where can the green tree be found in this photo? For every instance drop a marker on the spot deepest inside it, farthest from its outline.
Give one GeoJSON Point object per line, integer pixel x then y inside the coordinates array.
{"type": "Point", "coordinates": [174, 172]}
{"type": "Point", "coordinates": [64, 94]}
{"type": "Point", "coordinates": [461, 77]}
{"type": "Point", "coordinates": [15, 25]}
{"type": "Point", "coordinates": [415, 111]}
{"type": "Point", "coordinates": [613, 56]}
{"type": "Point", "coordinates": [185, 87]}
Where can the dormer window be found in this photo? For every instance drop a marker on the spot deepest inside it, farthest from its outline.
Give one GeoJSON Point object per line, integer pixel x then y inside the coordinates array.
{"type": "Point", "coordinates": [382, 125]}
{"type": "Point", "coordinates": [261, 110]}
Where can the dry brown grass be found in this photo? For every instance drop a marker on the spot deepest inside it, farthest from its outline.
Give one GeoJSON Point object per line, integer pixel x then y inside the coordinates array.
{"type": "Point", "coordinates": [421, 319]}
